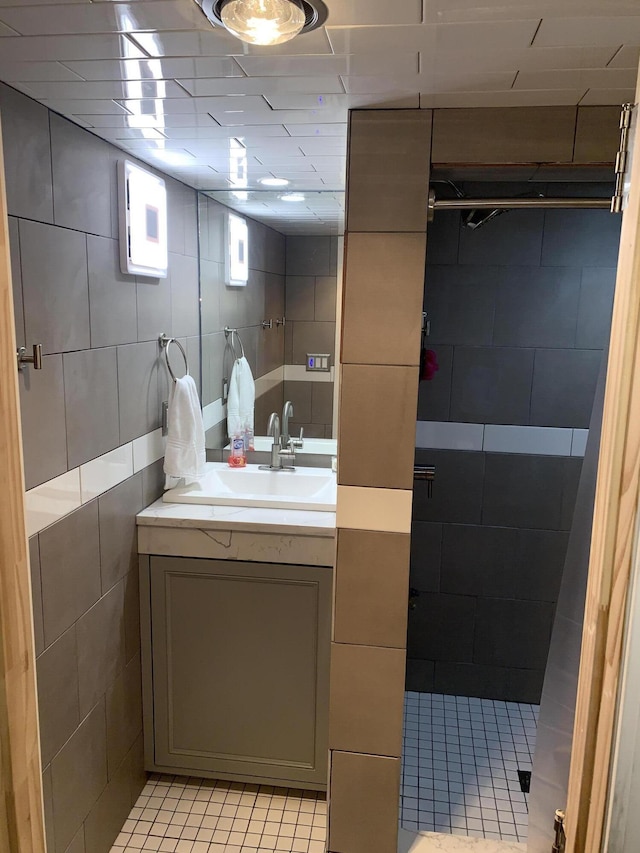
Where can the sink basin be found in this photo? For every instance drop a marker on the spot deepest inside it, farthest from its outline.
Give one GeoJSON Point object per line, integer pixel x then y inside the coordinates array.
{"type": "Point", "coordinates": [303, 488]}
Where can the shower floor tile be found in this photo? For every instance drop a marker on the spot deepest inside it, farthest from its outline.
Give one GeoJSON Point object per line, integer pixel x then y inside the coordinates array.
{"type": "Point", "coordinates": [176, 814]}
{"type": "Point", "coordinates": [460, 765]}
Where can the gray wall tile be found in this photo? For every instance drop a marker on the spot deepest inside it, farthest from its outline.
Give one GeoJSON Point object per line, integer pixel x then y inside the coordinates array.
{"type": "Point", "coordinates": [78, 843]}
{"type": "Point", "coordinates": [211, 281]}
{"type": "Point", "coordinates": [44, 431]}
{"type": "Point", "coordinates": [25, 137]}
{"type": "Point", "coordinates": [457, 491]}
{"type": "Point", "coordinates": [36, 593]}
{"type": "Point", "coordinates": [564, 384]}
{"type": "Point", "coordinates": [82, 184]}
{"type": "Point", "coordinates": [593, 242]}
{"type": "Point", "coordinates": [426, 547]}
{"type": "Point", "coordinates": [513, 239]}
{"type": "Point", "coordinates": [55, 287]}
{"type": "Point", "coordinates": [112, 295]}
{"type": "Point", "coordinates": [48, 808]}
{"type": "Point", "coordinates": [213, 365]}
{"type": "Point", "coordinates": [478, 560]}
{"type": "Point", "coordinates": [124, 713]}
{"type": "Point", "coordinates": [70, 566]}
{"type": "Point", "coordinates": [571, 480]}
{"type": "Point", "coordinates": [91, 403]}
{"type": "Point", "coordinates": [182, 224]}
{"type": "Point", "coordinates": [300, 298]}
{"type": "Point", "coordinates": [308, 256]}
{"type": "Point", "coordinates": [58, 707]}
{"type": "Point", "coordinates": [465, 679]}
{"type": "Point", "coordinates": [117, 510]}
{"type": "Point", "coordinates": [16, 280]}
{"type": "Point", "coordinates": [139, 368]}
{"type": "Point", "coordinates": [539, 564]}
{"type": "Point", "coordinates": [537, 307]}
{"type": "Point", "coordinates": [443, 236]}
{"type": "Point", "coordinates": [152, 482]}
{"type": "Point", "coordinates": [441, 627]}
{"type": "Point", "coordinates": [596, 303]}
{"type": "Point", "coordinates": [153, 298]}
{"type": "Point", "coordinates": [106, 818]}
{"type": "Point", "coordinates": [434, 395]}
{"type": "Point", "coordinates": [460, 303]}
{"type": "Point", "coordinates": [185, 295]}
{"type": "Point", "coordinates": [131, 614]}
{"type": "Point", "coordinates": [326, 298]}
{"type": "Point", "coordinates": [101, 647]}
{"type": "Point", "coordinates": [491, 385]}
{"type": "Point", "coordinates": [299, 393]}
{"type": "Point", "coordinates": [322, 402]}
{"type": "Point", "coordinates": [312, 337]}
{"type": "Point", "coordinates": [523, 491]}
{"type": "Point", "coordinates": [79, 775]}
{"type": "Point", "coordinates": [513, 633]}
{"type": "Point", "coordinates": [420, 676]}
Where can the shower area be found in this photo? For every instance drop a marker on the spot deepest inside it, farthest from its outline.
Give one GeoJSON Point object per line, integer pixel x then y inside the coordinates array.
{"type": "Point", "coordinates": [517, 309]}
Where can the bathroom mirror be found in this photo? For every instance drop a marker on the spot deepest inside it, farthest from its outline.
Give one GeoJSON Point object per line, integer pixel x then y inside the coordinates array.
{"type": "Point", "coordinates": [284, 316]}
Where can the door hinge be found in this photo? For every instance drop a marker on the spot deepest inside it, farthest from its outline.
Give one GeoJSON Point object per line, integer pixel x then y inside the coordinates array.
{"type": "Point", "coordinates": [623, 159]}
{"type": "Point", "coordinates": [558, 828]}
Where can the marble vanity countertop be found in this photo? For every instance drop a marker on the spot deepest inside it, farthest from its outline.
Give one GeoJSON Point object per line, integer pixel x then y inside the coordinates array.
{"type": "Point", "coordinates": [246, 519]}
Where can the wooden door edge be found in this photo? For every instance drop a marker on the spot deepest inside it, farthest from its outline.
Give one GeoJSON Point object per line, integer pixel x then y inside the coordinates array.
{"type": "Point", "coordinates": [614, 524]}
{"type": "Point", "coordinates": [21, 807]}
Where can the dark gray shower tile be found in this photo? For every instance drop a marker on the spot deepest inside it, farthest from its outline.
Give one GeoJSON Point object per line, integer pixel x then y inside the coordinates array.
{"type": "Point", "coordinates": [44, 434]}
{"type": "Point", "coordinates": [434, 395]}
{"type": "Point", "coordinates": [91, 403]}
{"type": "Point", "coordinates": [101, 647]}
{"type": "Point", "coordinates": [117, 510]}
{"type": "Point", "coordinates": [16, 280]}
{"type": "Point", "coordinates": [478, 560]}
{"type": "Point", "coordinates": [70, 567]}
{"type": "Point", "coordinates": [457, 490]}
{"type": "Point", "coordinates": [491, 385]}
{"type": "Point", "coordinates": [580, 238]}
{"type": "Point", "coordinates": [55, 287]}
{"type": "Point", "coordinates": [82, 178]}
{"type": "Point", "coordinates": [58, 707]}
{"type": "Point", "coordinates": [426, 546]}
{"type": "Point", "coordinates": [540, 561]}
{"type": "Point", "coordinates": [512, 633]}
{"type": "Point", "coordinates": [307, 255]}
{"type": "Point", "coordinates": [525, 685]}
{"type": "Point", "coordinates": [138, 394]}
{"type": "Point", "coordinates": [596, 301]}
{"type": "Point", "coordinates": [572, 471]}
{"type": "Point", "coordinates": [460, 304]}
{"type": "Point", "coordinates": [443, 235]}
{"type": "Point", "coordinates": [513, 239]}
{"type": "Point", "coordinates": [419, 677]}
{"type": "Point", "coordinates": [470, 679]}
{"type": "Point", "coordinates": [185, 296]}
{"type": "Point", "coordinates": [26, 139]}
{"type": "Point", "coordinates": [564, 384]}
{"type": "Point", "coordinates": [112, 295]}
{"type": "Point", "coordinates": [523, 491]}
{"type": "Point", "coordinates": [441, 627]}
{"type": "Point", "coordinates": [537, 307]}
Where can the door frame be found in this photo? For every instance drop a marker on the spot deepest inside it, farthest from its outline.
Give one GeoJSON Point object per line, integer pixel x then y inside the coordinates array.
{"type": "Point", "coordinates": [21, 802]}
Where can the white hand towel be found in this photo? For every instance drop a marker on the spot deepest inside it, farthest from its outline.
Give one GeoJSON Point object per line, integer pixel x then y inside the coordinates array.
{"type": "Point", "coordinates": [242, 398]}
{"type": "Point", "coordinates": [184, 454]}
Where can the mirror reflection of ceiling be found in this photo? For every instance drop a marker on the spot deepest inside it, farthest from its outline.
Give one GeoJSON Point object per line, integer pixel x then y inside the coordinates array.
{"type": "Point", "coordinates": [156, 79]}
{"type": "Point", "coordinates": [289, 212]}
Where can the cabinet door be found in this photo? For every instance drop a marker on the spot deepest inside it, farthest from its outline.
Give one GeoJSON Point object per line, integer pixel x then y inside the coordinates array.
{"type": "Point", "coordinates": [240, 668]}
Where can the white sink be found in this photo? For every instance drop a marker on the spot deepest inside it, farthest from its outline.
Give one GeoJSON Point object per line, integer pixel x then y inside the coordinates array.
{"type": "Point", "coordinates": [302, 488]}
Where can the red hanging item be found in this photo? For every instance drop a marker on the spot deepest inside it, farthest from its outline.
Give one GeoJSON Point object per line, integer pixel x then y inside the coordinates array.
{"type": "Point", "coordinates": [428, 364]}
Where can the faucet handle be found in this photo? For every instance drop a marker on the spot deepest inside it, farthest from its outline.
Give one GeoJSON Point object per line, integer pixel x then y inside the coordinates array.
{"type": "Point", "coordinates": [298, 442]}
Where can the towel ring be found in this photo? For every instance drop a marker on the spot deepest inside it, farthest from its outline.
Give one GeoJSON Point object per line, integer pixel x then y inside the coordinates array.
{"type": "Point", "coordinates": [231, 332]}
{"type": "Point", "coordinates": [165, 342]}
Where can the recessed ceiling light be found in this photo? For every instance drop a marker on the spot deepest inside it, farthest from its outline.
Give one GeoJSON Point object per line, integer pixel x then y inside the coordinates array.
{"type": "Point", "coordinates": [265, 21]}
{"type": "Point", "coordinates": [292, 197]}
{"type": "Point", "coordinates": [274, 182]}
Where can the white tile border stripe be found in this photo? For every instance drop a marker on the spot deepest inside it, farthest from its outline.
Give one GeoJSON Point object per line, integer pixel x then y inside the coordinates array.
{"type": "Point", "coordinates": [501, 438]}
{"type": "Point", "coordinates": [105, 472]}
{"type": "Point", "coordinates": [52, 501]}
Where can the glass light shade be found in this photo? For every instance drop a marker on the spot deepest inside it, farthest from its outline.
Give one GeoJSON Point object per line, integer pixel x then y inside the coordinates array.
{"type": "Point", "coordinates": [263, 21]}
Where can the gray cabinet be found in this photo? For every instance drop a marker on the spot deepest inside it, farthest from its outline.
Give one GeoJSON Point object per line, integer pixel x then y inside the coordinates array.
{"type": "Point", "coordinates": [236, 666]}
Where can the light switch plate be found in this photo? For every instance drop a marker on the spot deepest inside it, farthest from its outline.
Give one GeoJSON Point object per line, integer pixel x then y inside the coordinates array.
{"type": "Point", "coordinates": [318, 362]}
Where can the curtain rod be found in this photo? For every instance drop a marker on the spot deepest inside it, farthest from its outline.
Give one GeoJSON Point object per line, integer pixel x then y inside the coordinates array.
{"type": "Point", "coordinates": [514, 203]}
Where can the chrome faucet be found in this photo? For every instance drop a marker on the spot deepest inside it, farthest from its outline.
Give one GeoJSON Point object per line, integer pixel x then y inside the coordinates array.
{"type": "Point", "coordinates": [282, 458]}
{"type": "Point", "coordinates": [286, 441]}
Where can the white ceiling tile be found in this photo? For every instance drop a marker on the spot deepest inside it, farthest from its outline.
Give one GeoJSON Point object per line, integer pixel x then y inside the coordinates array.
{"type": "Point", "coordinates": [126, 119]}
{"type": "Point", "coordinates": [626, 57]}
{"type": "Point", "coordinates": [561, 32]}
{"type": "Point", "coordinates": [192, 106]}
{"type": "Point", "coordinates": [107, 89]}
{"type": "Point", "coordinates": [64, 48]}
{"type": "Point", "coordinates": [317, 130]}
{"type": "Point", "coordinates": [454, 81]}
{"type": "Point", "coordinates": [261, 86]}
{"type": "Point", "coordinates": [160, 68]}
{"type": "Point", "coordinates": [6, 32]}
{"type": "Point", "coordinates": [479, 59]}
{"type": "Point", "coordinates": [201, 134]}
{"type": "Point", "coordinates": [389, 101]}
{"type": "Point", "coordinates": [602, 97]}
{"type": "Point", "coordinates": [272, 145]}
{"type": "Point", "coordinates": [444, 11]}
{"type": "Point", "coordinates": [510, 98]}
{"type": "Point", "coordinates": [285, 117]}
{"type": "Point", "coordinates": [219, 42]}
{"type": "Point", "coordinates": [348, 13]}
{"type": "Point", "coordinates": [288, 164]}
{"type": "Point", "coordinates": [24, 72]}
{"type": "Point", "coordinates": [306, 66]}
{"type": "Point", "coordinates": [322, 145]}
{"type": "Point", "coordinates": [104, 17]}
{"type": "Point", "coordinates": [85, 107]}
{"type": "Point", "coordinates": [319, 103]}
{"type": "Point", "coordinates": [602, 78]}
{"type": "Point", "coordinates": [116, 133]}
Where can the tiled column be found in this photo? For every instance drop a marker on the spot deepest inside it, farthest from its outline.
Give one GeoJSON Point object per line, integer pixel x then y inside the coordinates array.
{"type": "Point", "coordinates": [388, 177]}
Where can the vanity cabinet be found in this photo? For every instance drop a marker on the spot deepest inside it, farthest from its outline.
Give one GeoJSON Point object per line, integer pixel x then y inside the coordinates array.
{"type": "Point", "coordinates": [236, 669]}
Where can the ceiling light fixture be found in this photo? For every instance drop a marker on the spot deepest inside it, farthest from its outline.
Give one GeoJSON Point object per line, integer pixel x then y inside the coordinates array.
{"type": "Point", "coordinates": [266, 22]}
{"type": "Point", "coordinates": [274, 182]}
{"type": "Point", "coordinates": [292, 197]}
